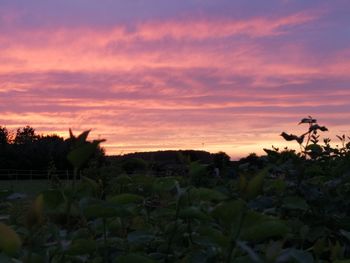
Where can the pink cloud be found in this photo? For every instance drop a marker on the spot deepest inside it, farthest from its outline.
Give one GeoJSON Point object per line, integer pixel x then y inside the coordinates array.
{"type": "Point", "coordinates": [204, 29]}
{"type": "Point", "coordinates": [217, 84]}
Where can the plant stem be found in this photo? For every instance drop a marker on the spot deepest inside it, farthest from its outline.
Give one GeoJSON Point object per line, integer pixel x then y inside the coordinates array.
{"type": "Point", "coordinates": [174, 231]}
{"type": "Point", "coordinates": [74, 177]}
{"type": "Point", "coordinates": [189, 229]}
{"type": "Point", "coordinates": [231, 249]}
{"type": "Point", "coordinates": [105, 248]}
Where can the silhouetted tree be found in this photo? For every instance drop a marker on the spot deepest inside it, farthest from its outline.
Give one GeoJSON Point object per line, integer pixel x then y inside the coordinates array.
{"type": "Point", "coordinates": [25, 135]}
{"type": "Point", "coordinates": [221, 160]}
{"type": "Point", "coordinates": [4, 136]}
{"type": "Point", "coordinates": [134, 164]}
{"type": "Point", "coordinates": [30, 151]}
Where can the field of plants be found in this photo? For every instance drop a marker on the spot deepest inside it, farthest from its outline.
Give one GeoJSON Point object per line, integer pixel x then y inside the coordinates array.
{"type": "Point", "coordinates": [286, 206]}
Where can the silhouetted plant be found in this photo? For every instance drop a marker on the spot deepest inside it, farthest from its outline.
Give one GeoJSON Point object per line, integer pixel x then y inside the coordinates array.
{"type": "Point", "coordinates": [308, 141]}
{"type": "Point", "coordinates": [262, 215]}
{"type": "Point", "coordinates": [81, 150]}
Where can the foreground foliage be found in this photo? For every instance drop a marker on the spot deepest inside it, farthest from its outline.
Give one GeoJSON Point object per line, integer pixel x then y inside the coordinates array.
{"type": "Point", "coordinates": [283, 207]}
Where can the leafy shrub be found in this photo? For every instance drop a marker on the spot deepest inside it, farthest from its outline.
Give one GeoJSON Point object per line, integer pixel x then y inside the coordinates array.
{"type": "Point", "coordinates": [287, 206]}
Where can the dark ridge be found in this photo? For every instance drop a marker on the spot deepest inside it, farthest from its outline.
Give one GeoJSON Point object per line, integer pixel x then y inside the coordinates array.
{"type": "Point", "coordinates": [170, 156]}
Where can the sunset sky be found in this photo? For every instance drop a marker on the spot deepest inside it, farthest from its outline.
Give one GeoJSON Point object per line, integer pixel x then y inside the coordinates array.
{"type": "Point", "coordinates": [216, 75]}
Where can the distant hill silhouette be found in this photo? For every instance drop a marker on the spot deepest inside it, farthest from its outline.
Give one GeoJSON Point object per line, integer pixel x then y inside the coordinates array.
{"type": "Point", "coordinates": [170, 156]}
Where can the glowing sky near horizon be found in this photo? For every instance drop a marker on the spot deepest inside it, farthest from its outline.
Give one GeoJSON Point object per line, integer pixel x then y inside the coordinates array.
{"type": "Point", "coordinates": [216, 75]}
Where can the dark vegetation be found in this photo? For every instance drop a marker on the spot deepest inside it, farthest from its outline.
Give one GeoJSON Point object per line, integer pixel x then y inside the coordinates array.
{"type": "Point", "coordinates": [188, 206]}
{"type": "Point", "coordinates": [26, 150]}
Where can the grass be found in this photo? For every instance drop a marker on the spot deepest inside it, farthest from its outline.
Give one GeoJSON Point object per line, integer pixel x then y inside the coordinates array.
{"type": "Point", "coordinates": [29, 187]}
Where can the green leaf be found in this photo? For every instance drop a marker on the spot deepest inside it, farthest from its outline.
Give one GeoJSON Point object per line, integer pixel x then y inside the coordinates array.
{"type": "Point", "coordinates": [243, 183]}
{"type": "Point", "coordinates": [80, 155]}
{"type": "Point", "coordinates": [197, 170]}
{"type": "Point", "coordinates": [336, 250]}
{"type": "Point", "coordinates": [124, 199]}
{"type": "Point", "coordinates": [272, 251]}
{"type": "Point", "coordinates": [264, 230]}
{"type": "Point", "coordinates": [96, 211]}
{"type": "Point", "coordinates": [10, 242]}
{"type": "Point", "coordinates": [134, 258]}
{"type": "Point", "coordinates": [192, 213]}
{"type": "Point", "coordinates": [198, 256]}
{"type": "Point", "coordinates": [164, 184]}
{"type": "Point", "coordinates": [82, 247]}
{"type": "Point", "coordinates": [344, 223]}
{"type": "Point", "coordinates": [92, 184]}
{"type": "Point", "coordinates": [319, 247]}
{"type": "Point", "coordinates": [163, 213]}
{"type": "Point", "coordinates": [4, 193]}
{"type": "Point", "coordinates": [83, 136]}
{"type": "Point", "coordinates": [81, 233]}
{"type": "Point", "coordinates": [213, 236]}
{"type": "Point", "coordinates": [290, 137]}
{"type": "Point", "coordinates": [314, 148]}
{"type": "Point", "coordinates": [34, 258]}
{"type": "Point", "coordinates": [228, 213]}
{"type": "Point", "coordinates": [295, 202]}
{"type": "Point", "coordinates": [255, 185]}
{"type": "Point", "coordinates": [257, 227]}
{"type": "Point", "coordinates": [307, 120]}
{"type": "Point", "coordinates": [206, 194]}
{"type": "Point", "coordinates": [123, 179]}
{"type": "Point", "coordinates": [71, 135]}
{"type": "Point", "coordinates": [251, 253]}
{"type": "Point", "coordinates": [115, 225]}
{"type": "Point", "coordinates": [300, 256]}
{"type": "Point", "coordinates": [140, 237]}
{"type": "Point", "coordinates": [53, 198]}
{"type": "Point", "coordinates": [345, 234]}
{"type": "Point", "coordinates": [104, 210]}
{"type": "Point", "coordinates": [243, 259]}
{"type": "Point", "coordinates": [35, 215]}
{"type": "Point", "coordinates": [316, 127]}
{"type": "Point", "coordinates": [279, 185]}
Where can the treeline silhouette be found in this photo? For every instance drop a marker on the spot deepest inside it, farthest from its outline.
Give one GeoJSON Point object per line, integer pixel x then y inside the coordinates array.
{"type": "Point", "coordinates": [169, 162]}
{"type": "Point", "coordinates": [24, 149]}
